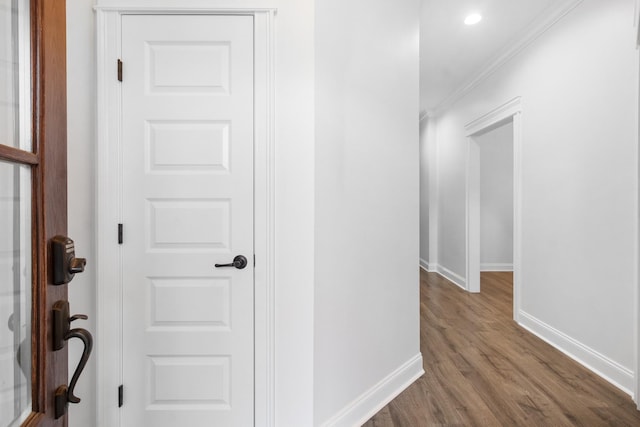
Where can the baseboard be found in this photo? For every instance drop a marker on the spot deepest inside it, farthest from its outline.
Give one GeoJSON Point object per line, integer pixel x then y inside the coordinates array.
{"type": "Point", "coordinates": [608, 369]}
{"type": "Point", "coordinates": [452, 277]}
{"type": "Point", "coordinates": [495, 266]}
{"type": "Point", "coordinates": [378, 396]}
{"type": "Point", "coordinates": [426, 266]}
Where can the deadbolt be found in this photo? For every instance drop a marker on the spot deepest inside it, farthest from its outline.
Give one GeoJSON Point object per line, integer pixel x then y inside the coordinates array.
{"type": "Point", "coordinates": [65, 263]}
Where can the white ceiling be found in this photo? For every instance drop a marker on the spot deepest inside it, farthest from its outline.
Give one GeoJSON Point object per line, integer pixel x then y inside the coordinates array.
{"type": "Point", "coordinates": [453, 54]}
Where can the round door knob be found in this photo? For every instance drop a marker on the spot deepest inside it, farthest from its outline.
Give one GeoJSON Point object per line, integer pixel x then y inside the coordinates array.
{"type": "Point", "coordinates": [239, 262]}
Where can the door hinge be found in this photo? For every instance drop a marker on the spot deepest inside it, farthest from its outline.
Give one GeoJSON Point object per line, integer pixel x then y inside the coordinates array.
{"type": "Point", "coordinates": [119, 70]}
{"type": "Point", "coordinates": [120, 395]}
{"type": "Point", "coordinates": [120, 234]}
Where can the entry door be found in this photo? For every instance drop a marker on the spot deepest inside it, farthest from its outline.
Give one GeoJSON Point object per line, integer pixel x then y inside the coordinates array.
{"type": "Point", "coordinates": [33, 211]}
{"type": "Point", "coordinates": [187, 185]}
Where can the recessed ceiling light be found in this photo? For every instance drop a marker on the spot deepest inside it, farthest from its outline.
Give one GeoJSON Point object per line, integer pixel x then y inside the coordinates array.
{"type": "Point", "coordinates": [473, 19]}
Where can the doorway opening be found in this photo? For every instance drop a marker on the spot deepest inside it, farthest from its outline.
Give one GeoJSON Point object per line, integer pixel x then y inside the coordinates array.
{"type": "Point", "coordinates": [505, 123]}
{"type": "Point", "coordinates": [496, 198]}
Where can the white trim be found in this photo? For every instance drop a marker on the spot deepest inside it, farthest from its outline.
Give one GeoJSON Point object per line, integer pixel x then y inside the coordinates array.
{"type": "Point", "coordinates": [434, 189]}
{"type": "Point", "coordinates": [636, 318]}
{"type": "Point", "coordinates": [636, 325]}
{"type": "Point", "coordinates": [518, 142]}
{"type": "Point", "coordinates": [181, 6]}
{"type": "Point", "coordinates": [108, 295]}
{"type": "Point", "coordinates": [264, 219]}
{"type": "Point", "coordinates": [535, 30]}
{"type": "Point", "coordinates": [608, 369]}
{"type": "Point", "coordinates": [636, 23]}
{"type": "Point", "coordinates": [472, 216]}
{"type": "Point", "coordinates": [494, 117]}
{"type": "Point", "coordinates": [454, 278]}
{"type": "Point", "coordinates": [377, 397]}
{"type": "Point", "coordinates": [496, 266]}
{"type": "Point", "coordinates": [429, 268]}
{"type": "Point", "coordinates": [510, 110]}
{"type": "Point", "coordinates": [108, 204]}
{"type": "Point", "coordinates": [444, 272]}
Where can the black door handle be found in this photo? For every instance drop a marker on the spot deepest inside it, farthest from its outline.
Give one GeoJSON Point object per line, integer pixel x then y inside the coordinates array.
{"type": "Point", "coordinates": [87, 339]}
{"type": "Point", "coordinates": [63, 394]}
{"type": "Point", "coordinates": [62, 323]}
{"type": "Point", "coordinates": [239, 262]}
{"type": "Point", "coordinates": [61, 333]}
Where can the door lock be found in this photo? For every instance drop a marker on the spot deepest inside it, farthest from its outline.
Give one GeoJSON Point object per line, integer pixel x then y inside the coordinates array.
{"type": "Point", "coordinates": [65, 263]}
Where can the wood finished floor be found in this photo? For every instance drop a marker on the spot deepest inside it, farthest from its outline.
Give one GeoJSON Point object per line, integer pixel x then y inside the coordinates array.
{"type": "Point", "coordinates": [482, 369]}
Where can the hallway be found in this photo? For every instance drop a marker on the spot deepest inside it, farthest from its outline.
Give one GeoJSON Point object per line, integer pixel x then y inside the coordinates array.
{"type": "Point", "coordinates": [482, 369]}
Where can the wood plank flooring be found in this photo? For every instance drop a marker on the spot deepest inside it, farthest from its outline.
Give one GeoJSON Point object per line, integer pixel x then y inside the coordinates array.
{"type": "Point", "coordinates": [482, 369]}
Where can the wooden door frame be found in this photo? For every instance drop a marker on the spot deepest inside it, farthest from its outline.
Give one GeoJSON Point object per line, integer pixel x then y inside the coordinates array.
{"type": "Point", "coordinates": [509, 110]}
{"type": "Point", "coordinates": [108, 210]}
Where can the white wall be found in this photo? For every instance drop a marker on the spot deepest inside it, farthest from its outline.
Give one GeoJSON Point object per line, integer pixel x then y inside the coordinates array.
{"type": "Point", "coordinates": [496, 198]}
{"type": "Point", "coordinates": [367, 203]}
{"type": "Point", "coordinates": [294, 198]}
{"type": "Point", "coordinates": [367, 195]}
{"type": "Point", "coordinates": [579, 89]}
{"type": "Point", "coordinates": [424, 193]}
{"type": "Point", "coordinates": [294, 210]}
{"type": "Point", "coordinates": [81, 71]}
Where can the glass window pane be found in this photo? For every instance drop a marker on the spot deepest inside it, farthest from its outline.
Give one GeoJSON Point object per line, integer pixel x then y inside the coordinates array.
{"type": "Point", "coordinates": [15, 293]}
{"type": "Point", "coordinates": [15, 86]}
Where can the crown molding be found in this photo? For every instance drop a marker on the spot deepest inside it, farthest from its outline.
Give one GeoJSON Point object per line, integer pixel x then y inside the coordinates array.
{"type": "Point", "coordinates": [530, 34]}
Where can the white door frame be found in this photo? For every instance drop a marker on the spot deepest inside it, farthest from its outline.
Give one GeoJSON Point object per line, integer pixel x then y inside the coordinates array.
{"type": "Point", "coordinates": [636, 390]}
{"type": "Point", "coordinates": [109, 195]}
{"type": "Point", "coordinates": [509, 110]}
{"type": "Point", "coordinates": [636, 385]}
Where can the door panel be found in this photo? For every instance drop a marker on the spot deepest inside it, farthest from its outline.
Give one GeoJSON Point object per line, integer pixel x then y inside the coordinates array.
{"type": "Point", "coordinates": [187, 100]}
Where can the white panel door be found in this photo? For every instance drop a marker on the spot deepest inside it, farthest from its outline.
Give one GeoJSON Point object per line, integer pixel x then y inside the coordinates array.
{"type": "Point", "coordinates": [187, 185]}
